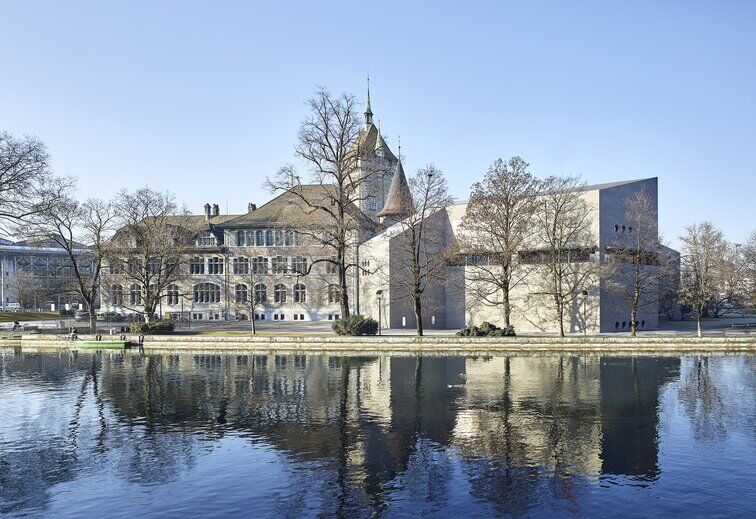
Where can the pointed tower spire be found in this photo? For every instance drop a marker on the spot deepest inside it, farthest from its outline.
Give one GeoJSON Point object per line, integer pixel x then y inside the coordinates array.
{"type": "Point", "coordinates": [368, 111]}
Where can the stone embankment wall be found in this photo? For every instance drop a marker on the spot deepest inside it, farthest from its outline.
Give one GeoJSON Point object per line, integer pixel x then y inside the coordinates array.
{"type": "Point", "coordinates": [426, 345]}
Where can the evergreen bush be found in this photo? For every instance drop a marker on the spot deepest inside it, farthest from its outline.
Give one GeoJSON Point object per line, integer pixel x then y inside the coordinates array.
{"type": "Point", "coordinates": [356, 325]}
{"type": "Point", "coordinates": [153, 327]}
{"type": "Point", "coordinates": [486, 329]}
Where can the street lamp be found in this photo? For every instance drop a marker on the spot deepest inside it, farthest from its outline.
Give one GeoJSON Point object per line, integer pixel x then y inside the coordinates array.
{"type": "Point", "coordinates": [379, 295]}
{"type": "Point", "coordinates": [585, 312]}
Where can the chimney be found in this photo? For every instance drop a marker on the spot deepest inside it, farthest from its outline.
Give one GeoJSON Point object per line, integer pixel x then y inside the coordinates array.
{"type": "Point", "coordinates": [216, 210]}
{"type": "Point", "coordinates": [207, 211]}
{"type": "Point", "coordinates": [251, 207]}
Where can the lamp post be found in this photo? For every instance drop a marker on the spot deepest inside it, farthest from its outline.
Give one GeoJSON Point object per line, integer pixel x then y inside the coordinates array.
{"type": "Point", "coordinates": [379, 295]}
{"type": "Point", "coordinates": [585, 312]}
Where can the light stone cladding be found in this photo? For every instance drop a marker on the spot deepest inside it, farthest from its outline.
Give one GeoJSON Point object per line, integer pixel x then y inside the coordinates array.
{"type": "Point", "coordinates": [451, 302]}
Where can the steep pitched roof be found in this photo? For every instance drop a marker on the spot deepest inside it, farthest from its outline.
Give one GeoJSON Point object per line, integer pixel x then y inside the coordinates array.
{"type": "Point", "coordinates": [399, 199]}
{"type": "Point", "coordinates": [295, 209]}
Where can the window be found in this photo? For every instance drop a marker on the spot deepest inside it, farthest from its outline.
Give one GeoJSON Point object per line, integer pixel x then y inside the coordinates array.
{"type": "Point", "coordinates": [206, 293]}
{"type": "Point", "coordinates": [260, 293]}
{"type": "Point", "coordinates": [241, 240]}
{"type": "Point", "coordinates": [279, 234]}
{"type": "Point", "coordinates": [279, 293]}
{"type": "Point", "coordinates": [206, 239]}
{"type": "Point", "coordinates": [268, 238]}
{"type": "Point", "coordinates": [334, 294]}
{"type": "Point", "coordinates": [299, 264]}
{"type": "Point", "coordinates": [153, 266]}
{"type": "Point", "coordinates": [331, 268]}
{"type": "Point", "coordinates": [260, 238]}
{"type": "Point", "coordinates": [172, 294]}
{"type": "Point", "coordinates": [241, 265]}
{"type": "Point", "coordinates": [134, 266]}
{"type": "Point", "coordinates": [197, 265]}
{"type": "Point", "coordinates": [116, 295]}
{"type": "Point", "coordinates": [135, 295]}
{"type": "Point", "coordinates": [279, 264]}
{"type": "Point", "coordinates": [241, 293]}
{"type": "Point", "coordinates": [260, 265]}
{"type": "Point", "coordinates": [300, 293]}
{"type": "Point", "coordinates": [291, 239]}
{"type": "Point", "coordinates": [215, 266]}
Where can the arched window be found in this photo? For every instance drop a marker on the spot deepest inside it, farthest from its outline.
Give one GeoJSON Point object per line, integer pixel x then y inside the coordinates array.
{"type": "Point", "coordinates": [116, 295]}
{"type": "Point", "coordinates": [300, 293]}
{"type": "Point", "coordinates": [206, 293]}
{"type": "Point", "coordinates": [172, 294]}
{"type": "Point", "coordinates": [260, 293]}
{"type": "Point", "coordinates": [242, 294]}
{"type": "Point", "coordinates": [279, 293]}
{"type": "Point", "coordinates": [135, 295]}
{"type": "Point", "coordinates": [334, 294]}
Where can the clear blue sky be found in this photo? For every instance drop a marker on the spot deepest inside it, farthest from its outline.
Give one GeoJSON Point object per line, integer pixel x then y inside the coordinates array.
{"type": "Point", "coordinates": [205, 98]}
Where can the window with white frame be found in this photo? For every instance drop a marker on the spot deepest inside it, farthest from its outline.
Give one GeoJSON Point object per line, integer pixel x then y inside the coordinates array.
{"type": "Point", "coordinates": [197, 265]}
{"type": "Point", "coordinates": [116, 295]}
{"type": "Point", "coordinates": [260, 293]}
{"type": "Point", "coordinates": [241, 265]}
{"type": "Point", "coordinates": [135, 295]}
{"type": "Point", "coordinates": [279, 293]}
{"type": "Point", "coordinates": [260, 238]}
{"type": "Point", "coordinates": [279, 241]}
{"type": "Point", "coordinates": [260, 265]}
{"type": "Point", "coordinates": [206, 293]}
{"type": "Point", "coordinates": [241, 238]}
{"type": "Point", "coordinates": [279, 264]}
{"type": "Point", "coordinates": [300, 293]}
{"type": "Point", "coordinates": [299, 264]}
{"type": "Point", "coordinates": [172, 294]}
{"type": "Point", "coordinates": [206, 239]}
{"type": "Point", "coordinates": [241, 293]}
{"type": "Point", "coordinates": [269, 238]}
{"type": "Point", "coordinates": [291, 238]}
{"type": "Point", "coordinates": [334, 294]}
{"type": "Point", "coordinates": [215, 265]}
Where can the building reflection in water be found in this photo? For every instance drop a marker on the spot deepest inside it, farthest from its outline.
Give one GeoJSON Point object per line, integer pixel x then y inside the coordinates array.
{"type": "Point", "coordinates": [522, 431]}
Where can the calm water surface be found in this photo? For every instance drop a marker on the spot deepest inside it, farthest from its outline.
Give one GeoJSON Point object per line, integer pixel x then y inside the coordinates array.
{"type": "Point", "coordinates": [124, 435]}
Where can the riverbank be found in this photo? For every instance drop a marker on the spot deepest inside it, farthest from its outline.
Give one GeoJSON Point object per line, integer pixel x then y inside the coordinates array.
{"type": "Point", "coordinates": [408, 345]}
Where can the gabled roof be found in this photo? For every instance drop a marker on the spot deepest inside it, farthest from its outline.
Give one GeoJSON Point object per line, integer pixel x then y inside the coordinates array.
{"type": "Point", "coordinates": [295, 209]}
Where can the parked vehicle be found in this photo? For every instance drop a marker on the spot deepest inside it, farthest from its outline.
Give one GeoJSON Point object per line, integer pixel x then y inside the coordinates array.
{"type": "Point", "coordinates": [10, 307]}
{"type": "Point", "coordinates": [81, 316]}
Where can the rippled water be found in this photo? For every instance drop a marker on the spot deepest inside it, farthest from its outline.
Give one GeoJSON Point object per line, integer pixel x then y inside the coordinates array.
{"type": "Point", "coordinates": [124, 435]}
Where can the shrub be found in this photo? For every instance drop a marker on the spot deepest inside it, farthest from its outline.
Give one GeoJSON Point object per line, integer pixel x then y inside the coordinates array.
{"type": "Point", "coordinates": [486, 329]}
{"type": "Point", "coordinates": [66, 313]}
{"type": "Point", "coordinates": [356, 325]}
{"type": "Point", "coordinates": [153, 327]}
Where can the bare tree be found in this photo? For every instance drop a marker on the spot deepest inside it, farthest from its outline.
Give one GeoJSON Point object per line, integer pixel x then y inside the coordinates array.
{"type": "Point", "coordinates": [147, 250]}
{"type": "Point", "coordinates": [30, 290]}
{"type": "Point", "coordinates": [82, 231]}
{"type": "Point", "coordinates": [421, 259]}
{"type": "Point", "coordinates": [702, 252]}
{"type": "Point", "coordinates": [497, 222]}
{"type": "Point", "coordinates": [563, 248]}
{"type": "Point", "coordinates": [633, 266]}
{"type": "Point", "coordinates": [330, 215]}
{"type": "Point", "coordinates": [732, 273]}
{"type": "Point", "coordinates": [27, 185]}
{"type": "Point", "coordinates": [749, 257]}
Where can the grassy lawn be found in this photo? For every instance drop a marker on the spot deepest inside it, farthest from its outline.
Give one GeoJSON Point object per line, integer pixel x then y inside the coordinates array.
{"type": "Point", "coordinates": [708, 322]}
{"type": "Point", "coordinates": [9, 317]}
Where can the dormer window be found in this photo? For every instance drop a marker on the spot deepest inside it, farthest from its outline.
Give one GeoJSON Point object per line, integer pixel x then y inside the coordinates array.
{"type": "Point", "coordinates": [206, 239]}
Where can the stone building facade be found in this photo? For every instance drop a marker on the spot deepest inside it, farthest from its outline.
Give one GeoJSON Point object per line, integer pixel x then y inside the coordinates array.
{"type": "Point", "coordinates": [452, 302]}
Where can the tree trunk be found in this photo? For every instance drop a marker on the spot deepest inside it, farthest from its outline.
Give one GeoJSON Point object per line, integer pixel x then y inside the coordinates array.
{"type": "Point", "coordinates": [699, 323]}
{"type": "Point", "coordinates": [418, 314]}
{"type": "Point", "coordinates": [507, 308]}
{"type": "Point", "coordinates": [92, 320]}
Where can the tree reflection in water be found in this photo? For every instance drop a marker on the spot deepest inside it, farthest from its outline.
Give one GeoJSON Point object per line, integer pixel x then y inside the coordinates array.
{"type": "Point", "coordinates": [352, 434]}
